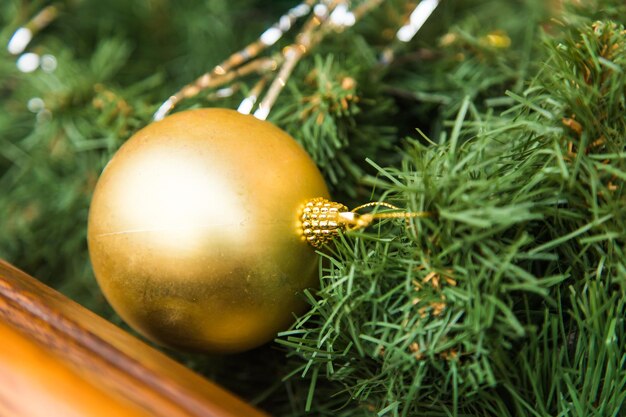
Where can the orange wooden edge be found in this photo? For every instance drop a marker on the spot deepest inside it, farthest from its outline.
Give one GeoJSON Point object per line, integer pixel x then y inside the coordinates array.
{"type": "Point", "coordinates": [59, 359]}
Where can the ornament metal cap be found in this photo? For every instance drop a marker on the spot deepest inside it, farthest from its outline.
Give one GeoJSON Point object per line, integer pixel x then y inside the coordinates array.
{"type": "Point", "coordinates": [321, 220]}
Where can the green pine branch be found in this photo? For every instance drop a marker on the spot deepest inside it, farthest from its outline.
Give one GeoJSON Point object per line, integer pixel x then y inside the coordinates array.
{"type": "Point", "coordinates": [508, 302]}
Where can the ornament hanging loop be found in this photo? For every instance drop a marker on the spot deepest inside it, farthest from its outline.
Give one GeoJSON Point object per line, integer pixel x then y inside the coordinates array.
{"type": "Point", "coordinates": [322, 220]}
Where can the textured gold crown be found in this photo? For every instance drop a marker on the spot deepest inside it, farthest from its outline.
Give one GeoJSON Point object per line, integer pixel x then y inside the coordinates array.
{"type": "Point", "coordinates": [322, 220]}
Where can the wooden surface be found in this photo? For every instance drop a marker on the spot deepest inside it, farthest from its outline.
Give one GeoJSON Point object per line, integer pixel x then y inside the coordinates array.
{"type": "Point", "coordinates": [59, 359]}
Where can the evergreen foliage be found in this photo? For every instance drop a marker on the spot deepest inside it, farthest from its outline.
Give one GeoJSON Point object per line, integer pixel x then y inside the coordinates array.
{"type": "Point", "coordinates": [509, 301]}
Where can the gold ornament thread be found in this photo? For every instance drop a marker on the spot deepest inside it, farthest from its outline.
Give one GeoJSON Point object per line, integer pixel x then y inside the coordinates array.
{"type": "Point", "coordinates": [322, 220]}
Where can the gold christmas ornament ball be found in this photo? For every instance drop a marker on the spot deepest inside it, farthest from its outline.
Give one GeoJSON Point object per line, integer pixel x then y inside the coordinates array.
{"type": "Point", "coordinates": [194, 235]}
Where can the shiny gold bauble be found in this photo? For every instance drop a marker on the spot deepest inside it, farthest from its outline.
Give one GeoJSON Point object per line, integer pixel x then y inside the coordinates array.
{"type": "Point", "coordinates": [193, 230]}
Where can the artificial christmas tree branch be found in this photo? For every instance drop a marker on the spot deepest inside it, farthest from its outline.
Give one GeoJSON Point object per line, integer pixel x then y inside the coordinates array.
{"type": "Point", "coordinates": [519, 222]}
